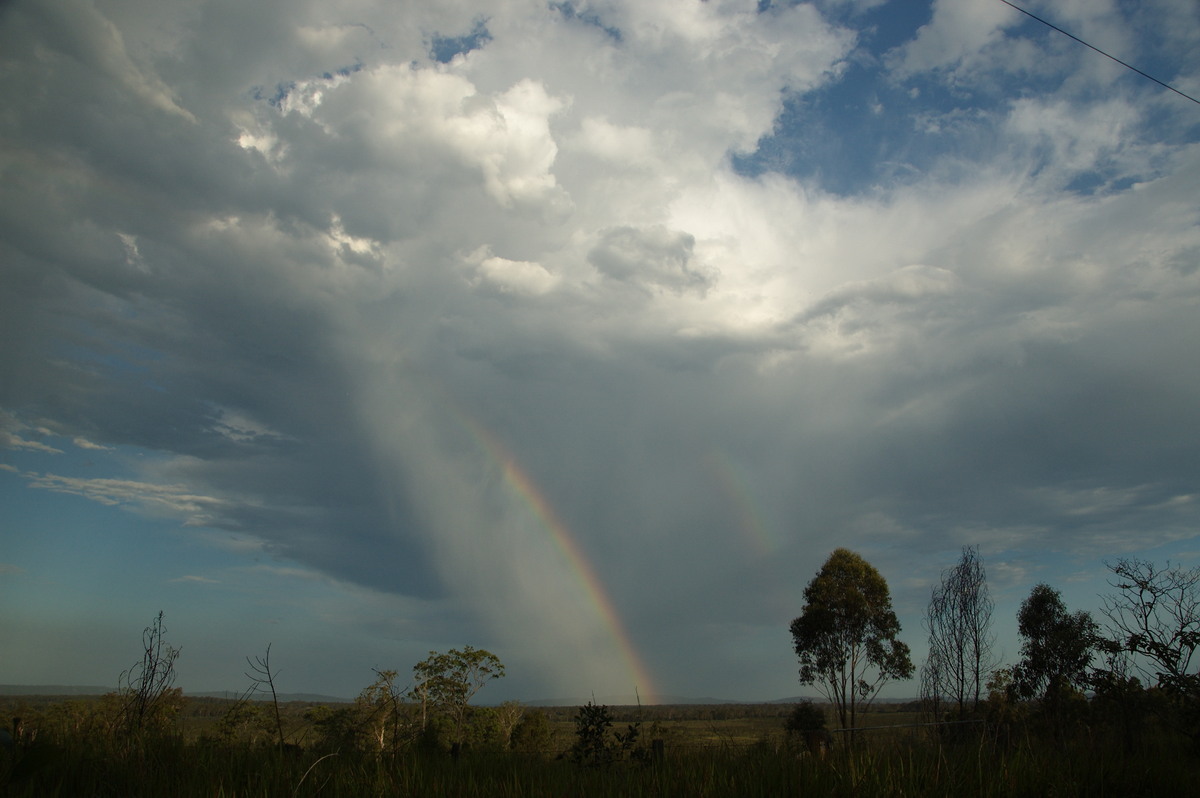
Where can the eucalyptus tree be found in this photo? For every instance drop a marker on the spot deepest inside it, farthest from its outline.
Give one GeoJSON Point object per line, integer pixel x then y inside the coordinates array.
{"type": "Point", "coordinates": [448, 681]}
{"type": "Point", "coordinates": [846, 635]}
{"type": "Point", "coordinates": [1057, 649]}
{"type": "Point", "coordinates": [382, 706]}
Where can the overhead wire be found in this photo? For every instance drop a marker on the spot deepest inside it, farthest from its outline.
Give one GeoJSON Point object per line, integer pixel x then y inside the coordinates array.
{"type": "Point", "coordinates": [1097, 49]}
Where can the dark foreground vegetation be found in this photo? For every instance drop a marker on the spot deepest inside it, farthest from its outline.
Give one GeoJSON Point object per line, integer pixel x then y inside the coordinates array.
{"type": "Point", "coordinates": [62, 749]}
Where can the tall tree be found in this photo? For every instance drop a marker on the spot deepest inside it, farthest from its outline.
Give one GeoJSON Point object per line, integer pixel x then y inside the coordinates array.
{"type": "Point", "coordinates": [1058, 647]}
{"type": "Point", "coordinates": [846, 635]}
{"type": "Point", "coordinates": [959, 622]}
{"type": "Point", "coordinates": [448, 682]}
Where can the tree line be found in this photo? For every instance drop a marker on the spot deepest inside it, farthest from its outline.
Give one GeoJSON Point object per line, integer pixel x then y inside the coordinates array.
{"type": "Point", "coordinates": [1138, 663]}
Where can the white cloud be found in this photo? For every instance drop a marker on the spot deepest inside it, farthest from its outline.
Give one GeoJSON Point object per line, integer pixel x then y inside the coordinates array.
{"type": "Point", "coordinates": [620, 146]}
{"type": "Point", "coordinates": [10, 441]}
{"type": "Point", "coordinates": [176, 500]}
{"type": "Point", "coordinates": [12, 432]}
{"type": "Point", "coordinates": [84, 443]}
{"type": "Point", "coordinates": [509, 276]}
{"type": "Point", "coordinates": [196, 579]}
{"type": "Point", "coordinates": [960, 36]}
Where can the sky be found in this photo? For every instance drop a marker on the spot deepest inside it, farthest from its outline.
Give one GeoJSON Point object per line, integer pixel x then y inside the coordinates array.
{"type": "Point", "coordinates": [581, 332]}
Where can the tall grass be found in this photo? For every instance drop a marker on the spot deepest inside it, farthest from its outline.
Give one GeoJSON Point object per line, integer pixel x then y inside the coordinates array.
{"type": "Point", "coordinates": [81, 766]}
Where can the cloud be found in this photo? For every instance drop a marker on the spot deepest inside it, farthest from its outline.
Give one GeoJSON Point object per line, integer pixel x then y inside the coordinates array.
{"type": "Point", "coordinates": [175, 500]}
{"type": "Point", "coordinates": [467, 335]}
{"type": "Point", "coordinates": [12, 430]}
{"type": "Point", "coordinates": [10, 441]}
{"type": "Point", "coordinates": [962, 35]}
{"type": "Point", "coordinates": [84, 443]}
{"type": "Point", "coordinates": [656, 258]}
{"type": "Point", "coordinates": [77, 30]}
{"type": "Point", "coordinates": [509, 276]}
{"type": "Point", "coordinates": [194, 579]}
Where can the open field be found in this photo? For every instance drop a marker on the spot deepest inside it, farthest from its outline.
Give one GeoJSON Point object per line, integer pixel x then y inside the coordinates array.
{"type": "Point", "coordinates": [707, 751]}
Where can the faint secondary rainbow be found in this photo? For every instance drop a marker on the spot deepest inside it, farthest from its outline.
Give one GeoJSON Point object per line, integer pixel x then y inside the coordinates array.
{"type": "Point", "coordinates": [544, 511]}
{"type": "Point", "coordinates": [750, 519]}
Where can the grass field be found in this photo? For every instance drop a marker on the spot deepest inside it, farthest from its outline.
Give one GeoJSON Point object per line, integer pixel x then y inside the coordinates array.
{"type": "Point", "coordinates": [726, 751]}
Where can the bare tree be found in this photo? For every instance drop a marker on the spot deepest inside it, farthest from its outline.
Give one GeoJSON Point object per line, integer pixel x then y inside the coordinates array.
{"type": "Point", "coordinates": [147, 699]}
{"type": "Point", "coordinates": [959, 622]}
{"type": "Point", "coordinates": [1156, 617]}
{"type": "Point", "coordinates": [1154, 621]}
{"type": "Point", "coordinates": [263, 677]}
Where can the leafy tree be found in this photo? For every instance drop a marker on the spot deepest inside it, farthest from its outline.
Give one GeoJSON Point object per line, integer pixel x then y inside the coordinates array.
{"type": "Point", "coordinates": [806, 723]}
{"type": "Point", "coordinates": [532, 734]}
{"type": "Point", "coordinates": [846, 635]}
{"type": "Point", "coordinates": [959, 622]}
{"type": "Point", "coordinates": [1001, 708]}
{"type": "Point", "coordinates": [592, 746]}
{"type": "Point", "coordinates": [1057, 651]}
{"type": "Point", "coordinates": [244, 721]}
{"type": "Point", "coordinates": [447, 682]}
{"type": "Point", "coordinates": [337, 730]}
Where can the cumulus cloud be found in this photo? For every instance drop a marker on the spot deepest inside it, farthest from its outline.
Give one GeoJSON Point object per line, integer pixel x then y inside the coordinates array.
{"type": "Point", "coordinates": [498, 327]}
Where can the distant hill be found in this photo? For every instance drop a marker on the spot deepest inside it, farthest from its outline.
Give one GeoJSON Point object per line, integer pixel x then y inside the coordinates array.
{"type": "Point", "coordinates": [308, 698]}
{"type": "Point", "coordinates": [664, 700]}
{"type": "Point", "coordinates": [53, 689]}
{"type": "Point", "coordinates": [316, 698]}
{"type": "Point", "coordinates": [624, 701]}
{"type": "Point", "coordinates": [76, 689]}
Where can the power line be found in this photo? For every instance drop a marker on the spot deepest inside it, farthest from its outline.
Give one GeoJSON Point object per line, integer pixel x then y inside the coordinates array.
{"type": "Point", "coordinates": [1097, 49]}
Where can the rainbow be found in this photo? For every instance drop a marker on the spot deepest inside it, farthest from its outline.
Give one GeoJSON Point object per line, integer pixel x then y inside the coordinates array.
{"type": "Point", "coordinates": [751, 521]}
{"type": "Point", "coordinates": [525, 487]}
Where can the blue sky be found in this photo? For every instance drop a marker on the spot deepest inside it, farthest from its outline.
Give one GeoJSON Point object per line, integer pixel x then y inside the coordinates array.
{"type": "Point", "coordinates": [582, 332]}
